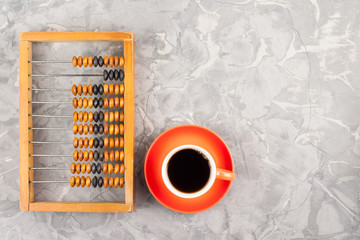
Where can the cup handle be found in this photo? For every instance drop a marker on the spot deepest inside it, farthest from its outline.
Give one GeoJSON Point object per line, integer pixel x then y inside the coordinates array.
{"type": "Point", "coordinates": [225, 174]}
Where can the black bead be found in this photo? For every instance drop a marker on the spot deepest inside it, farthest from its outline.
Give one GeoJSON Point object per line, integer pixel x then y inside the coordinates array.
{"type": "Point", "coordinates": [100, 181]}
{"type": "Point", "coordinates": [101, 142]}
{"type": "Point", "coordinates": [101, 61]}
{"type": "Point", "coordinates": [101, 128]}
{"type": "Point", "coordinates": [101, 89]}
{"type": "Point", "coordinates": [96, 143]}
{"type": "Point", "coordinates": [98, 168]}
{"type": "Point", "coordinates": [111, 75]}
{"type": "Point", "coordinates": [95, 103]}
{"type": "Point", "coordinates": [101, 103]}
{"type": "Point", "coordinates": [106, 75]}
{"type": "Point", "coordinates": [96, 114]}
{"type": "Point", "coordinates": [101, 157]}
{"type": "Point", "coordinates": [95, 61]}
{"type": "Point", "coordinates": [95, 89]}
{"type": "Point", "coordinates": [122, 74]}
{"type": "Point", "coordinates": [116, 74]}
{"type": "Point", "coordinates": [94, 181]}
{"type": "Point", "coordinates": [101, 116]}
{"type": "Point", "coordinates": [96, 129]}
{"type": "Point", "coordinates": [93, 168]}
{"type": "Point", "coordinates": [96, 155]}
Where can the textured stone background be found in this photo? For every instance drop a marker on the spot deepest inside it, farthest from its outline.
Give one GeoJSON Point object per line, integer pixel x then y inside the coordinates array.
{"type": "Point", "coordinates": [277, 80]}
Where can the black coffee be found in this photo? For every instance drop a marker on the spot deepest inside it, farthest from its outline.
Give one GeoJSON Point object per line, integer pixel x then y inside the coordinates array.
{"type": "Point", "coordinates": [188, 170]}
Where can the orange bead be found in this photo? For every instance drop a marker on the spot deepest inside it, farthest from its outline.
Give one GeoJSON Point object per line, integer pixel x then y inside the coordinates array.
{"type": "Point", "coordinates": [72, 168]}
{"type": "Point", "coordinates": [81, 143]}
{"type": "Point", "coordinates": [121, 118]}
{"type": "Point", "coordinates": [80, 129]}
{"type": "Point", "coordinates": [74, 102]}
{"type": "Point", "coordinates": [121, 102]}
{"type": "Point", "coordinates": [121, 142]}
{"type": "Point", "coordinates": [117, 155]}
{"type": "Point", "coordinates": [79, 89]}
{"type": "Point", "coordinates": [91, 128]}
{"type": "Point", "coordinates": [122, 168]}
{"type": "Point", "coordinates": [84, 89]}
{"type": "Point", "coordinates": [85, 103]}
{"type": "Point", "coordinates": [75, 117]}
{"type": "Point", "coordinates": [86, 155]}
{"type": "Point", "coordinates": [111, 182]}
{"type": "Point", "coordinates": [121, 129]}
{"type": "Point", "coordinates": [121, 182]}
{"type": "Point", "coordinates": [111, 102]}
{"type": "Point", "coordinates": [88, 181]}
{"type": "Point", "coordinates": [74, 61]}
{"type": "Point", "coordinates": [106, 61]}
{"type": "Point", "coordinates": [91, 142]}
{"type": "Point", "coordinates": [78, 168]}
{"type": "Point", "coordinates": [86, 129]}
{"type": "Point", "coordinates": [106, 155]}
{"type": "Point", "coordinates": [85, 61]}
{"type": "Point", "coordinates": [122, 156]}
{"type": "Point", "coordinates": [116, 116]}
{"type": "Point", "coordinates": [83, 168]}
{"type": "Point", "coordinates": [116, 89]}
{"type": "Point", "coordinates": [86, 142]}
{"type": "Point", "coordinates": [91, 155]}
{"type": "Point", "coordinates": [122, 88]}
{"type": "Point", "coordinates": [85, 116]}
{"type": "Point", "coordinates": [111, 155]}
{"type": "Point", "coordinates": [104, 168]}
{"type": "Point", "coordinates": [90, 103]}
{"type": "Point", "coordinates": [106, 116]}
{"type": "Point", "coordinates": [74, 90]}
{"type": "Point", "coordinates": [106, 142]}
{"type": "Point", "coordinates": [80, 103]}
{"type": "Point", "coordinates": [72, 181]}
{"type": "Point", "coordinates": [116, 168]}
{"type": "Point", "coordinates": [77, 181]}
{"type": "Point", "coordinates": [111, 61]}
{"type": "Point", "coordinates": [111, 88]}
{"type": "Point", "coordinates": [80, 116]}
{"type": "Point", "coordinates": [106, 89]}
{"type": "Point", "coordinates": [105, 182]}
{"type": "Point", "coordinates": [116, 181]}
{"type": "Point", "coordinates": [111, 116]}
{"type": "Point", "coordinates": [82, 180]}
{"type": "Point", "coordinates": [106, 128]}
{"type": "Point", "coordinates": [80, 155]}
{"type": "Point", "coordinates": [116, 61]}
{"type": "Point", "coordinates": [117, 102]}
{"type": "Point", "coordinates": [110, 168]}
{"type": "Point", "coordinates": [116, 142]}
{"type": "Point", "coordinates": [121, 61]}
{"type": "Point", "coordinates": [75, 129]}
{"type": "Point", "coordinates": [80, 61]}
{"type": "Point", "coordinates": [91, 116]}
{"type": "Point", "coordinates": [111, 142]}
{"type": "Point", "coordinates": [111, 129]}
{"type": "Point", "coordinates": [116, 129]}
{"type": "Point", "coordinates": [88, 168]}
{"type": "Point", "coordinates": [90, 91]}
{"type": "Point", "coordinates": [106, 102]}
{"type": "Point", "coordinates": [90, 60]}
{"type": "Point", "coordinates": [75, 142]}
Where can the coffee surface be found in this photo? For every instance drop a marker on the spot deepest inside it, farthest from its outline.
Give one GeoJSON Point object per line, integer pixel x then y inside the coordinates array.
{"type": "Point", "coordinates": [188, 170]}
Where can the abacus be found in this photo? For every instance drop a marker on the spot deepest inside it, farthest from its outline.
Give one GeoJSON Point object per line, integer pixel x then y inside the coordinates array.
{"type": "Point", "coordinates": [102, 145]}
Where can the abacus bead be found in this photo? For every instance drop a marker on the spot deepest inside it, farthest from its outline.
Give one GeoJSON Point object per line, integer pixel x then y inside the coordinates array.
{"type": "Point", "coordinates": [72, 168]}
{"type": "Point", "coordinates": [86, 155]}
{"type": "Point", "coordinates": [116, 181]}
{"type": "Point", "coordinates": [90, 89]}
{"type": "Point", "coordinates": [117, 102]}
{"type": "Point", "coordinates": [75, 117]}
{"type": "Point", "coordinates": [93, 168]}
{"type": "Point", "coordinates": [106, 102]}
{"type": "Point", "coordinates": [121, 61]}
{"type": "Point", "coordinates": [106, 128]}
{"type": "Point", "coordinates": [74, 90]}
{"type": "Point", "coordinates": [84, 89]}
{"type": "Point", "coordinates": [110, 168]}
{"type": "Point", "coordinates": [77, 181]}
{"type": "Point", "coordinates": [121, 88]}
{"type": "Point", "coordinates": [106, 181]}
{"type": "Point", "coordinates": [91, 116]}
{"type": "Point", "coordinates": [116, 142]}
{"type": "Point", "coordinates": [101, 89]}
{"type": "Point", "coordinates": [116, 116]}
{"type": "Point", "coordinates": [95, 89]}
{"type": "Point", "coordinates": [121, 127]}
{"type": "Point", "coordinates": [96, 155]}
{"type": "Point", "coordinates": [111, 116]}
{"type": "Point", "coordinates": [104, 168]}
{"type": "Point", "coordinates": [122, 168]}
{"type": "Point", "coordinates": [80, 61]}
{"type": "Point", "coordinates": [88, 181]}
{"type": "Point", "coordinates": [74, 102]}
{"type": "Point", "coordinates": [86, 129]}
{"type": "Point", "coordinates": [111, 75]}
{"type": "Point", "coordinates": [96, 143]}
{"type": "Point", "coordinates": [95, 103]}
{"type": "Point", "coordinates": [117, 155]}
{"type": "Point", "coordinates": [91, 155]}
{"type": "Point", "coordinates": [80, 102]}
{"type": "Point", "coordinates": [106, 155]}
{"type": "Point", "coordinates": [96, 62]}
{"type": "Point", "coordinates": [88, 168]}
{"type": "Point", "coordinates": [94, 181]}
{"type": "Point", "coordinates": [91, 142]}
{"type": "Point", "coordinates": [111, 142]}
{"type": "Point", "coordinates": [111, 88]}
{"type": "Point", "coordinates": [98, 168]}
{"type": "Point", "coordinates": [72, 181]}
{"type": "Point", "coordinates": [91, 129]}
{"type": "Point", "coordinates": [122, 75]}
{"type": "Point", "coordinates": [83, 168]}
{"type": "Point", "coordinates": [80, 155]}
{"type": "Point", "coordinates": [116, 89]}
{"type": "Point", "coordinates": [106, 61]}
{"type": "Point", "coordinates": [101, 157]}
{"type": "Point", "coordinates": [121, 118]}
{"type": "Point", "coordinates": [80, 116]}
{"type": "Point", "coordinates": [121, 142]}
{"type": "Point", "coordinates": [116, 61]}
{"type": "Point", "coordinates": [122, 156]}
{"type": "Point", "coordinates": [101, 142]}
{"type": "Point", "coordinates": [74, 128]}
{"type": "Point", "coordinates": [75, 142]}
{"type": "Point", "coordinates": [80, 129]}
{"type": "Point", "coordinates": [116, 129]}
{"type": "Point", "coordinates": [111, 181]}
{"type": "Point", "coordinates": [121, 182]}
{"type": "Point", "coordinates": [111, 129]}
{"type": "Point", "coordinates": [106, 116]}
{"type": "Point", "coordinates": [101, 61]}
{"type": "Point", "coordinates": [79, 89]}
{"type": "Point", "coordinates": [111, 155]}
{"type": "Point", "coordinates": [105, 75]}
{"type": "Point", "coordinates": [100, 181]}
{"type": "Point", "coordinates": [85, 116]}
{"type": "Point", "coordinates": [101, 128]}
{"type": "Point", "coordinates": [74, 61]}
{"type": "Point", "coordinates": [121, 102]}
{"type": "Point", "coordinates": [101, 103]}
{"type": "Point", "coordinates": [83, 180]}
{"type": "Point", "coordinates": [111, 61]}
{"type": "Point", "coordinates": [106, 89]}
{"type": "Point", "coordinates": [85, 102]}
{"type": "Point", "coordinates": [85, 61]}
{"type": "Point", "coordinates": [116, 74]}
{"type": "Point", "coordinates": [101, 116]}
{"type": "Point", "coordinates": [106, 142]}
{"type": "Point", "coordinates": [90, 60]}
{"type": "Point", "coordinates": [86, 141]}
{"type": "Point", "coordinates": [81, 142]}
{"type": "Point", "coordinates": [96, 116]}
{"type": "Point", "coordinates": [90, 103]}
{"type": "Point", "coordinates": [96, 129]}
{"type": "Point", "coordinates": [116, 168]}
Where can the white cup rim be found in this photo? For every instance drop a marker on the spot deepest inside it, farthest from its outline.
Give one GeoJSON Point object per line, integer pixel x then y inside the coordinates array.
{"type": "Point", "coordinates": [204, 189]}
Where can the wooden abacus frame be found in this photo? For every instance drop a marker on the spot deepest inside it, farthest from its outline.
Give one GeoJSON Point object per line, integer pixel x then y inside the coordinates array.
{"type": "Point", "coordinates": [27, 202]}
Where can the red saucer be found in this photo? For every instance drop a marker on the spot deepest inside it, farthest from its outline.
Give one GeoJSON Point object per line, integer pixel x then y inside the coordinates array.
{"type": "Point", "coordinates": [177, 136]}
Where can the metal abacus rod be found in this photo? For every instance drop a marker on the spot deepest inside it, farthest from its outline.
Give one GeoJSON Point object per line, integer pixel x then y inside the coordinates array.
{"type": "Point", "coordinates": [95, 181]}
{"type": "Point", "coordinates": [112, 74]}
{"type": "Point", "coordinates": [89, 61]}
